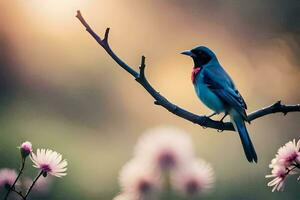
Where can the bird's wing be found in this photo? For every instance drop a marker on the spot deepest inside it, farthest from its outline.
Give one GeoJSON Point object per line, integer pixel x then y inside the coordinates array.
{"type": "Point", "coordinates": [222, 85]}
{"type": "Point", "coordinates": [241, 99]}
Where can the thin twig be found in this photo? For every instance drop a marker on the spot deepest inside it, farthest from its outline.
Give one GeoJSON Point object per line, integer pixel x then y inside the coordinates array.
{"type": "Point", "coordinates": [176, 110]}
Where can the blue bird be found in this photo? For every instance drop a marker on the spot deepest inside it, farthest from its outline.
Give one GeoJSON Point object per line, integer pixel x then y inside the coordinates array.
{"type": "Point", "coordinates": [216, 90]}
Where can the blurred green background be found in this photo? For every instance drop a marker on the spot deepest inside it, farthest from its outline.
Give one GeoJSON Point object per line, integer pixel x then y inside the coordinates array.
{"type": "Point", "coordinates": [61, 91]}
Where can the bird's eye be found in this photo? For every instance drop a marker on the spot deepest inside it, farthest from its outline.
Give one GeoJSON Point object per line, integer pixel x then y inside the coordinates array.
{"type": "Point", "coordinates": [202, 54]}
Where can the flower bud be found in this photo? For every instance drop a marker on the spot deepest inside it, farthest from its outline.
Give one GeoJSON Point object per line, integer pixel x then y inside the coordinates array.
{"type": "Point", "coordinates": [26, 149]}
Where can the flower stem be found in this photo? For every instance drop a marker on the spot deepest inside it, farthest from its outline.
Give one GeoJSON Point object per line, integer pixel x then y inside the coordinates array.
{"type": "Point", "coordinates": [19, 193]}
{"type": "Point", "coordinates": [12, 187]}
{"type": "Point", "coordinates": [167, 194]}
{"type": "Point", "coordinates": [33, 183]}
{"type": "Point", "coordinates": [291, 169]}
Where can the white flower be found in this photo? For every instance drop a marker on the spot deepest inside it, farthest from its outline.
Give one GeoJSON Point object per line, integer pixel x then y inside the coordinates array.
{"type": "Point", "coordinates": [194, 179]}
{"type": "Point", "coordinates": [138, 180]}
{"type": "Point", "coordinates": [279, 173]}
{"type": "Point", "coordinates": [165, 148]}
{"type": "Point", "coordinates": [285, 163]}
{"type": "Point", "coordinates": [287, 154]}
{"type": "Point", "coordinates": [50, 162]}
{"type": "Point", "coordinates": [7, 177]}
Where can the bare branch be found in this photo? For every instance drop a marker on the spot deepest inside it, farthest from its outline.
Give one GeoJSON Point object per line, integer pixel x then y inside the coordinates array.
{"type": "Point", "coordinates": [142, 69]}
{"type": "Point", "coordinates": [105, 45]}
{"type": "Point", "coordinates": [88, 28]}
{"type": "Point", "coordinates": [106, 35]}
{"type": "Point", "coordinates": [277, 107]}
{"type": "Point", "coordinates": [176, 110]}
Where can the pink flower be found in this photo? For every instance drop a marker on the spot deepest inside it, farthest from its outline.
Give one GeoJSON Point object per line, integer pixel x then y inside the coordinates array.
{"type": "Point", "coordinates": [7, 177]}
{"type": "Point", "coordinates": [138, 180]}
{"type": "Point", "coordinates": [279, 173]}
{"type": "Point", "coordinates": [50, 162]}
{"type": "Point", "coordinates": [194, 179]}
{"type": "Point", "coordinates": [287, 154]}
{"type": "Point", "coordinates": [285, 163]}
{"type": "Point", "coordinates": [165, 148]}
{"type": "Point", "coordinates": [26, 149]}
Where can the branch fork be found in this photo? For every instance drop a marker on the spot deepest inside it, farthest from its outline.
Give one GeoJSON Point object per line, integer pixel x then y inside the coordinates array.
{"type": "Point", "coordinates": [160, 100]}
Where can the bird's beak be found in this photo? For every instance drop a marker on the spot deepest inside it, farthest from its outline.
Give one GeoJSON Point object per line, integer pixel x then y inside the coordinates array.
{"type": "Point", "coordinates": [188, 53]}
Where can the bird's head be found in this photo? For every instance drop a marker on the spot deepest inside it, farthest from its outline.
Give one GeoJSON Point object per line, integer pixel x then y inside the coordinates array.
{"type": "Point", "coordinates": [201, 55]}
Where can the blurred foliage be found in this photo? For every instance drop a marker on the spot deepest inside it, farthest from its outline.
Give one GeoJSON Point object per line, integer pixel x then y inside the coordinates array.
{"type": "Point", "coordinates": [60, 90]}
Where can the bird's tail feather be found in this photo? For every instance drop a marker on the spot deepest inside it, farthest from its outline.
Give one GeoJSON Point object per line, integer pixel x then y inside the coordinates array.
{"type": "Point", "coordinates": [240, 127]}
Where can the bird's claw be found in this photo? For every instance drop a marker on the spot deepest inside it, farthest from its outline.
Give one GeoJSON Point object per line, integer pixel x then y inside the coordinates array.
{"type": "Point", "coordinates": [211, 115]}
{"type": "Point", "coordinates": [223, 117]}
{"type": "Point", "coordinates": [222, 121]}
{"type": "Point", "coordinates": [222, 129]}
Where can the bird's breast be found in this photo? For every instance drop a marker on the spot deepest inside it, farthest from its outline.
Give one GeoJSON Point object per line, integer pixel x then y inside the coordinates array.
{"type": "Point", "coordinates": [207, 96]}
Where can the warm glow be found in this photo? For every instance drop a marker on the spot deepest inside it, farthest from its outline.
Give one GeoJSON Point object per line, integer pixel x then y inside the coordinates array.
{"type": "Point", "coordinates": [53, 9]}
